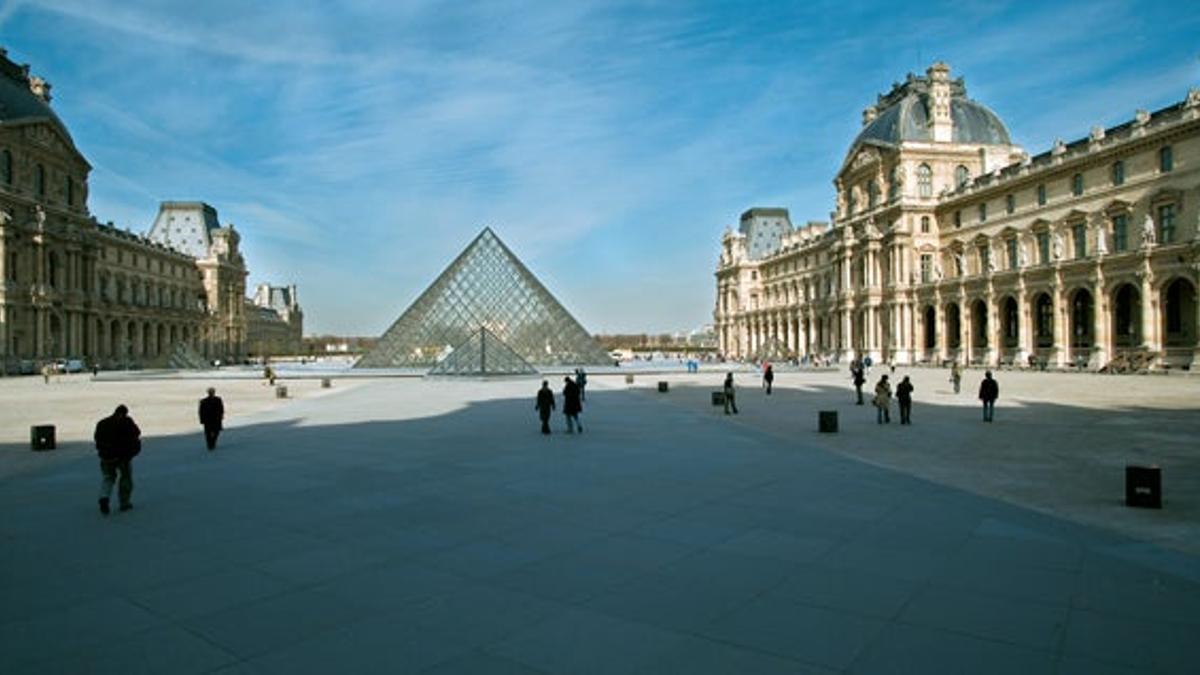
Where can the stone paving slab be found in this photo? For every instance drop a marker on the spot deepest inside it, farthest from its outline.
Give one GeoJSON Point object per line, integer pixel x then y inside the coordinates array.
{"type": "Point", "coordinates": [426, 527]}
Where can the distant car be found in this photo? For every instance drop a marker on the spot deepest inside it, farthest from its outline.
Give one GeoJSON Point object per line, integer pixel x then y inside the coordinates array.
{"type": "Point", "coordinates": [73, 366]}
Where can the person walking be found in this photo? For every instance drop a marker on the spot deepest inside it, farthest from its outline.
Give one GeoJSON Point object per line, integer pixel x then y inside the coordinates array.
{"type": "Point", "coordinates": [118, 440]}
{"type": "Point", "coordinates": [581, 380]}
{"type": "Point", "coordinates": [572, 405]}
{"type": "Point", "coordinates": [989, 391]}
{"type": "Point", "coordinates": [956, 376]}
{"type": "Point", "coordinates": [883, 400]}
{"type": "Point", "coordinates": [769, 378]}
{"type": "Point", "coordinates": [860, 378]}
{"type": "Point", "coordinates": [730, 395]}
{"type": "Point", "coordinates": [545, 405]}
{"type": "Point", "coordinates": [212, 414]}
{"type": "Point", "coordinates": [904, 392]}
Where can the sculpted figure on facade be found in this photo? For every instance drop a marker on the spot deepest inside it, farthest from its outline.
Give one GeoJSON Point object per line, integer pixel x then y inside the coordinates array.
{"type": "Point", "coordinates": [1057, 246]}
{"type": "Point", "coordinates": [1101, 238]}
{"type": "Point", "coordinates": [960, 265]}
{"type": "Point", "coordinates": [1148, 231]}
{"type": "Point", "coordinates": [1022, 256]}
{"type": "Point", "coordinates": [39, 217]}
{"type": "Point", "coordinates": [5, 217]}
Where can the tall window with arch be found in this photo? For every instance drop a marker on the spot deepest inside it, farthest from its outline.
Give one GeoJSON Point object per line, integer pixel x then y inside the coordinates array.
{"type": "Point", "coordinates": [924, 181]}
{"type": "Point", "coordinates": [6, 166]}
{"type": "Point", "coordinates": [1166, 224]}
{"type": "Point", "coordinates": [39, 180]}
{"type": "Point", "coordinates": [872, 195]}
{"type": "Point", "coordinates": [924, 224]}
{"type": "Point", "coordinates": [962, 175]}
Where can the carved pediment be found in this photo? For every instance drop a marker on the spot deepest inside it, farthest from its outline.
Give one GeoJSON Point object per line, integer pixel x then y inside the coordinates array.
{"type": "Point", "coordinates": [864, 157]}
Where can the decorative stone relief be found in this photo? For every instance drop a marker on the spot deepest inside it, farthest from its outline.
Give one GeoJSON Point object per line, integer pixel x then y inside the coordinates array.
{"type": "Point", "coordinates": [1057, 246]}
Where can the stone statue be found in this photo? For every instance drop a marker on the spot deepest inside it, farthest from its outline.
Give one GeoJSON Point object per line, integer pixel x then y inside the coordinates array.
{"type": "Point", "coordinates": [1148, 231]}
{"type": "Point", "coordinates": [5, 217]}
{"type": "Point", "coordinates": [1056, 246]}
{"type": "Point", "coordinates": [39, 217]}
{"type": "Point", "coordinates": [1101, 239]}
{"type": "Point", "coordinates": [960, 264]}
{"type": "Point", "coordinates": [869, 230]}
{"type": "Point", "coordinates": [991, 264]}
{"type": "Point", "coordinates": [938, 273]}
{"type": "Point", "coordinates": [1022, 257]}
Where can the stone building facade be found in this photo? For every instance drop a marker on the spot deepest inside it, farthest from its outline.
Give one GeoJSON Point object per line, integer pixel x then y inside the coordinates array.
{"type": "Point", "coordinates": [949, 242]}
{"type": "Point", "coordinates": [274, 322]}
{"type": "Point", "coordinates": [74, 288]}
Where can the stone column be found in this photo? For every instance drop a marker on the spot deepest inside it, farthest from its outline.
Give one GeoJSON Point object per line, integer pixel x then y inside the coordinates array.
{"type": "Point", "coordinates": [1057, 355]}
{"type": "Point", "coordinates": [1024, 335]}
{"type": "Point", "coordinates": [1098, 356]}
{"type": "Point", "coordinates": [1149, 322]}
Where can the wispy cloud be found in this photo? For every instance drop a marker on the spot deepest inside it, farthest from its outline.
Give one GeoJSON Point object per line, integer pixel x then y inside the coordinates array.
{"type": "Point", "coordinates": [359, 146]}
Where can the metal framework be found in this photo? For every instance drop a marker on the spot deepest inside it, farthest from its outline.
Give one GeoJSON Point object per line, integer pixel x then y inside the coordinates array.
{"type": "Point", "coordinates": [485, 299]}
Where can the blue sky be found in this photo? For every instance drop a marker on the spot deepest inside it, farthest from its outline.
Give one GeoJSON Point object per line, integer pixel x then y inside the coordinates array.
{"type": "Point", "coordinates": [359, 145]}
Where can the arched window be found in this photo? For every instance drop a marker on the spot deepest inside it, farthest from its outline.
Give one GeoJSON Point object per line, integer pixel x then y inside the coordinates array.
{"type": "Point", "coordinates": [39, 180]}
{"type": "Point", "coordinates": [924, 181]}
{"type": "Point", "coordinates": [70, 191]}
{"type": "Point", "coordinates": [872, 195]}
{"type": "Point", "coordinates": [6, 167]}
{"type": "Point", "coordinates": [894, 184]}
{"type": "Point", "coordinates": [961, 175]}
{"type": "Point", "coordinates": [924, 224]}
{"type": "Point", "coordinates": [852, 203]}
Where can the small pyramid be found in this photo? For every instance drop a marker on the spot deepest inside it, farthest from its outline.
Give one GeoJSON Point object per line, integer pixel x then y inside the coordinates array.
{"type": "Point", "coordinates": [483, 354]}
{"type": "Point", "coordinates": [485, 287]}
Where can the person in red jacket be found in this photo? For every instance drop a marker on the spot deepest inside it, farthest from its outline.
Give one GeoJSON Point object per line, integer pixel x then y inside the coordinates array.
{"type": "Point", "coordinates": [118, 441]}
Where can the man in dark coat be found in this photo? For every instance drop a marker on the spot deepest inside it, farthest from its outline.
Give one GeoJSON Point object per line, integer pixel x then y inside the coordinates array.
{"type": "Point", "coordinates": [118, 440]}
{"type": "Point", "coordinates": [769, 378]}
{"type": "Point", "coordinates": [904, 392]}
{"type": "Point", "coordinates": [730, 394]}
{"type": "Point", "coordinates": [212, 413]}
{"type": "Point", "coordinates": [989, 391]}
{"type": "Point", "coordinates": [860, 378]}
{"type": "Point", "coordinates": [544, 405]}
{"type": "Point", "coordinates": [572, 405]}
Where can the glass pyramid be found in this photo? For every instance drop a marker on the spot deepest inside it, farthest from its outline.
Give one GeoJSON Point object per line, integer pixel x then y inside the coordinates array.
{"type": "Point", "coordinates": [486, 287]}
{"type": "Point", "coordinates": [483, 354]}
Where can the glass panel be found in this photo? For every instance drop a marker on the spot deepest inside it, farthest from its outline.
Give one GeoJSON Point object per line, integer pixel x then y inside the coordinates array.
{"type": "Point", "coordinates": [485, 288]}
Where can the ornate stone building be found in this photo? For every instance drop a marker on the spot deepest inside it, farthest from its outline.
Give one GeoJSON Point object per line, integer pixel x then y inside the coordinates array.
{"type": "Point", "coordinates": [950, 242]}
{"type": "Point", "coordinates": [76, 288]}
{"type": "Point", "coordinates": [274, 322]}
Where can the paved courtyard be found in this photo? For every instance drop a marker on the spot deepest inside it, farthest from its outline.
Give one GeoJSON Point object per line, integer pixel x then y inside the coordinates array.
{"type": "Point", "coordinates": [410, 526]}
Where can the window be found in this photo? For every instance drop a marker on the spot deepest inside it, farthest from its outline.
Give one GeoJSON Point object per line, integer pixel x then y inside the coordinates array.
{"type": "Point", "coordinates": [39, 180]}
{"type": "Point", "coordinates": [924, 181]}
{"type": "Point", "coordinates": [1118, 173]}
{"type": "Point", "coordinates": [1120, 228]}
{"type": "Point", "coordinates": [1079, 239]}
{"type": "Point", "coordinates": [1041, 195]}
{"type": "Point", "coordinates": [872, 195]}
{"type": "Point", "coordinates": [985, 258]}
{"type": "Point", "coordinates": [70, 190]}
{"type": "Point", "coordinates": [1013, 259]}
{"type": "Point", "coordinates": [1077, 185]}
{"type": "Point", "coordinates": [12, 266]}
{"type": "Point", "coordinates": [925, 224]}
{"type": "Point", "coordinates": [958, 218]}
{"type": "Point", "coordinates": [6, 167]}
{"type": "Point", "coordinates": [894, 185]}
{"type": "Point", "coordinates": [983, 212]}
{"type": "Point", "coordinates": [852, 203]}
{"type": "Point", "coordinates": [961, 175]}
{"type": "Point", "coordinates": [1166, 159]}
{"type": "Point", "coordinates": [1043, 242]}
{"type": "Point", "coordinates": [926, 268]}
{"type": "Point", "coordinates": [1166, 224]}
{"type": "Point", "coordinates": [1010, 204]}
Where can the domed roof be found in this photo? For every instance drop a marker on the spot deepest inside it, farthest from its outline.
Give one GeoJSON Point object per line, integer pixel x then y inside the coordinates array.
{"type": "Point", "coordinates": [17, 100]}
{"type": "Point", "coordinates": [903, 115]}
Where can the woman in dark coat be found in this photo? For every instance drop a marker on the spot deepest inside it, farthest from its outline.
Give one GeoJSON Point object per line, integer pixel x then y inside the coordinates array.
{"type": "Point", "coordinates": [572, 405]}
{"type": "Point", "coordinates": [544, 405]}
